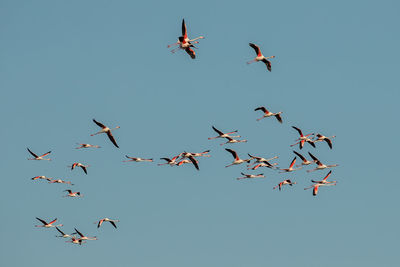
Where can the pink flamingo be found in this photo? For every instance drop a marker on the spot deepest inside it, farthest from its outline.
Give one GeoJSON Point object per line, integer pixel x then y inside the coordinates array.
{"type": "Point", "coordinates": [260, 57]}
{"type": "Point", "coordinates": [223, 135]}
{"type": "Point", "coordinates": [63, 235]}
{"type": "Point", "coordinates": [36, 157]}
{"type": "Point", "coordinates": [170, 162]}
{"type": "Point", "coordinates": [290, 169]}
{"type": "Point", "coordinates": [59, 181]}
{"type": "Point", "coordinates": [190, 159]}
{"type": "Point", "coordinates": [284, 182]}
{"type": "Point", "coordinates": [99, 223]}
{"type": "Point", "coordinates": [305, 161]}
{"type": "Point", "coordinates": [321, 138]}
{"type": "Point", "coordinates": [185, 43]}
{"type": "Point", "coordinates": [262, 160]}
{"type": "Point", "coordinates": [77, 164]}
{"type": "Point", "coordinates": [262, 164]}
{"type": "Point", "coordinates": [86, 146]}
{"type": "Point", "coordinates": [75, 240]}
{"type": "Point", "coordinates": [233, 141]}
{"type": "Point", "coordinates": [237, 160]}
{"type": "Point", "coordinates": [323, 182]}
{"type": "Point", "coordinates": [303, 138]}
{"type": "Point", "coordinates": [268, 113]}
{"type": "Point", "coordinates": [72, 194]}
{"type": "Point", "coordinates": [136, 159]}
{"type": "Point", "coordinates": [320, 166]}
{"type": "Point", "coordinates": [105, 129]}
{"type": "Point", "coordinates": [85, 237]}
{"type": "Point", "coordinates": [41, 177]}
{"type": "Point", "coordinates": [47, 225]}
{"type": "Point", "coordinates": [249, 176]}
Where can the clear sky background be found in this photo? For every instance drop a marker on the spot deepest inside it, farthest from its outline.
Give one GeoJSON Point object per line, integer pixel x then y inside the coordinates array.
{"type": "Point", "coordinates": [63, 63]}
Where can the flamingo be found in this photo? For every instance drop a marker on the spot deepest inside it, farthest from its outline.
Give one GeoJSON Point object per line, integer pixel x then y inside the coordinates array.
{"type": "Point", "coordinates": [262, 160]}
{"type": "Point", "coordinates": [305, 161]}
{"type": "Point", "coordinates": [260, 57]}
{"type": "Point", "coordinates": [85, 237]}
{"type": "Point", "coordinates": [36, 157]}
{"type": "Point", "coordinates": [316, 186]}
{"type": "Point", "coordinates": [185, 43]}
{"type": "Point", "coordinates": [320, 166]}
{"type": "Point", "coordinates": [170, 162]}
{"type": "Point", "coordinates": [48, 225]}
{"type": "Point", "coordinates": [290, 169]}
{"type": "Point", "coordinates": [223, 135]}
{"type": "Point", "coordinates": [237, 160]}
{"type": "Point", "coordinates": [268, 113]}
{"type": "Point", "coordinates": [41, 177]}
{"type": "Point", "coordinates": [72, 194]}
{"type": "Point", "coordinates": [232, 141]}
{"type": "Point", "coordinates": [249, 176]}
{"type": "Point", "coordinates": [77, 164]}
{"type": "Point", "coordinates": [191, 160]}
{"type": "Point", "coordinates": [201, 154]}
{"type": "Point", "coordinates": [323, 182]}
{"type": "Point", "coordinates": [284, 182]}
{"type": "Point", "coordinates": [75, 240]}
{"type": "Point", "coordinates": [262, 164]}
{"type": "Point", "coordinates": [136, 159]}
{"type": "Point", "coordinates": [99, 223]}
{"type": "Point", "coordinates": [59, 181]}
{"type": "Point", "coordinates": [303, 138]}
{"type": "Point", "coordinates": [105, 129]}
{"type": "Point", "coordinates": [86, 146]}
{"type": "Point", "coordinates": [63, 235]}
{"type": "Point", "coordinates": [321, 138]}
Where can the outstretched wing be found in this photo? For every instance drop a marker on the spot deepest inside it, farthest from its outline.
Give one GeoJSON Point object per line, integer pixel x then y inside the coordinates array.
{"type": "Point", "coordinates": [111, 137]}
{"type": "Point", "coordinates": [278, 117]}
{"type": "Point", "coordinates": [79, 233]}
{"type": "Point", "coordinates": [113, 224]}
{"type": "Point", "coordinates": [84, 169]}
{"type": "Point", "coordinates": [233, 152]}
{"type": "Point", "coordinates": [267, 63]}
{"type": "Point", "coordinates": [33, 154]}
{"type": "Point", "coordinates": [61, 232]}
{"type": "Point", "coordinates": [329, 142]}
{"type": "Point", "coordinates": [326, 177]}
{"type": "Point", "coordinates": [42, 221]}
{"type": "Point", "coordinates": [314, 158]}
{"type": "Point", "coordinates": [184, 31]}
{"type": "Point", "coordinates": [297, 129]}
{"type": "Point", "coordinates": [194, 161]}
{"type": "Point", "coordinates": [191, 52]}
{"type": "Point", "coordinates": [99, 124]}
{"type": "Point", "coordinates": [218, 131]}
{"type": "Point", "coordinates": [300, 156]}
{"type": "Point", "coordinates": [256, 48]}
{"type": "Point", "coordinates": [261, 108]}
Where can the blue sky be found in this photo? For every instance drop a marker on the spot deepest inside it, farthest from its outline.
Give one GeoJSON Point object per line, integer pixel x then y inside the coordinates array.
{"type": "Point", "coordinates": [335, 72]}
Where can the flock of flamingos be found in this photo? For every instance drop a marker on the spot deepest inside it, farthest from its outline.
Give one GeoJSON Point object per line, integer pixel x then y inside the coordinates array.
{"type": "Point", "coordinates": [253, 162]}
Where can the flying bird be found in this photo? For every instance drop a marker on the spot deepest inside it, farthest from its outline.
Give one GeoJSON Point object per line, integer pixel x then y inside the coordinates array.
{"type": "Point", "coordinates": [136, 159]}
{"type": "Point", "coordinates": [87, 146]}
{"type": "Point", "coordinates": [268, 113]}
{"type": "Point", "coordinates": [72, 194]}
{"type": "Point", "coordinates": [323, 182]}
{"type": "Point", "coordinates": [223, 135]}
{"type": "Point", "coordinates": [233, 141]}
{"type": "Point", "coordinates": [77, 164]}
{"type": "Point", "coordinates": [63, 235]}
{"type": "Point", "coordinates": [290, 169]}
{"type": "Point", "coordinates": [260, 57]}
{"type": "Point", "coordinates": [236, 160]}
{"type": "Point", "coordinates": [304, 160]}
{"type": "Point", "coordinates": [185, 43]}
{"type": "Point", "coordinates": [328, 140]}
{"type": "Point", "coordinates": [320, 166]}
{"type": "Point", "coordinates": [250, 176]}
{"type": "Point", "coordinates": [284, 182]}
{"type": "Point", "coordinates": [36, 157]}
{"type": "Point", "coordinates": [99, 223]}
{"type": "Point", "coordinates": [83, 237]}
{"type": "Point", "coordinates": [47, 225]}
{"type": "Point", "coordinates": [303, 138]}
{"type": "Point", "coordinates": [105, 129]}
